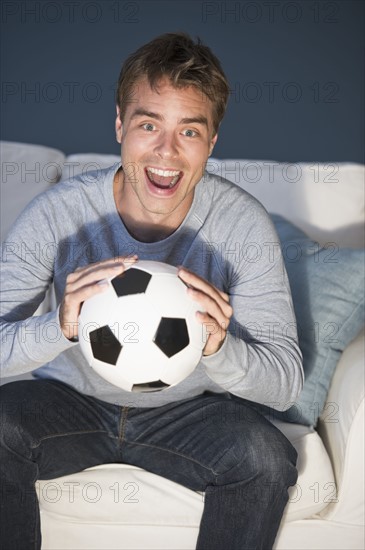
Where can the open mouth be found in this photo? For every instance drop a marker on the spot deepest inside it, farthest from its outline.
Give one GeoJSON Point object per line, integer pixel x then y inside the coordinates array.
{"type": "Point", "coordinates": [163, 179]}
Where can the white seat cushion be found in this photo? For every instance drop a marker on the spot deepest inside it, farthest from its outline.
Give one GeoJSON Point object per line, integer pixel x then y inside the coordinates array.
{"type": "Point", "coordinates": [316, 486]}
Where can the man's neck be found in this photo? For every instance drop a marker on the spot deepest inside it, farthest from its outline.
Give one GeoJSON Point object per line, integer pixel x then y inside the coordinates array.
{"type": "Point", "coordinates": [145, 232]}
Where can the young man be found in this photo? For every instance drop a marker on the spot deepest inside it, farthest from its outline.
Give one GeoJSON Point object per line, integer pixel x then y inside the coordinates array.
{"type": "Point", "coordinates": [159, 204]}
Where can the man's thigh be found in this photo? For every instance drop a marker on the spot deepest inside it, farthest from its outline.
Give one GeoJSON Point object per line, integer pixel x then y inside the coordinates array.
{"type": "Point", "coordinates": [56, 427]}
{"type": "Point", "coordinates": [212, 439]}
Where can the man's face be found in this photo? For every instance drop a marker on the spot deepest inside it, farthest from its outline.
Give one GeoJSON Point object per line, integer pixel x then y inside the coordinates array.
{"type": "Point", "coordinates": [166, 138]}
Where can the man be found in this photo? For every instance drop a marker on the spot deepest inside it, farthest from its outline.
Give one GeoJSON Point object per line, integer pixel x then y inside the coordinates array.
{"type": "Point", "coordinates": [158, 204]}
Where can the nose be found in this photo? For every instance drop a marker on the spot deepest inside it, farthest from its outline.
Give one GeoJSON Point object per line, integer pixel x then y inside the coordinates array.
{"type": "Point", "coordinates": [166, 146]}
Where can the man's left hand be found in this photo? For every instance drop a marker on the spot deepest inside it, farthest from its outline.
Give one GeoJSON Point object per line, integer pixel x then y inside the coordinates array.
{"type": "Point", "coordinates": [215, 303]}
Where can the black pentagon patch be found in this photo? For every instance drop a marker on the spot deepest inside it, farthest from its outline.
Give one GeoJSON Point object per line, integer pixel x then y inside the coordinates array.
{"type": "Point", "coordinates": [172, 335]}
{"type": "Point", "coordinates": [105, 346]}
{"type": "Point", "coordinates": [157, 385]}
{"type": "Point", "coordinates": [132, 281]}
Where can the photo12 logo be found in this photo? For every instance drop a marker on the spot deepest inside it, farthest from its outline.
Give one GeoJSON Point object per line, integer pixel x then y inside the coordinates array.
{"type": "Point", "coordinates": [270, 12]}
{"type": "Point", "coordinates": [27, 11]}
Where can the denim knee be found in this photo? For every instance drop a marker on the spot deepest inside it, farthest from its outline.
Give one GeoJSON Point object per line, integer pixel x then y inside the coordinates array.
{"type": "Point", "coordinates": [13, 414]}
{"type": "Point", "coordinates": [254, 448]}
{"type": "Point", "coordinates": [274, 458]}
{"type": "Point", "coordinates": [22, 413]}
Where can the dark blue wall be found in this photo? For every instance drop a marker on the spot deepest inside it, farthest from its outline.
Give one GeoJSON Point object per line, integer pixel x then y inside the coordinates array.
{"type": "Point", "coordinates": [295, 69]}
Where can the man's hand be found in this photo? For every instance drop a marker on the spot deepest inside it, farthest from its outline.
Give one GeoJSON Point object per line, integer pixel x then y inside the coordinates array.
{"type": "Point", "coordinates": [218, 310]}
{"type": "Point", "coordinates": [84, 283]}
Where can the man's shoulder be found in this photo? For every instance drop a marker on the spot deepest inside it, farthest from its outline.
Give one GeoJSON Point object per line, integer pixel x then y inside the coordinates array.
{"type": "Point", "coordinates": [71, 191]}
{"type": "Point", "coordinates": [67, 202]}
{"type": "Point", "coordinates": [234, 213]}
{"type": "Point", "coordinates": [87, 180]}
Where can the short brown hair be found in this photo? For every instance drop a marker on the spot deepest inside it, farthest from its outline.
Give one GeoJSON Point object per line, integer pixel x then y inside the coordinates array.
{"type": "Point", "coordinates": [184, 62]}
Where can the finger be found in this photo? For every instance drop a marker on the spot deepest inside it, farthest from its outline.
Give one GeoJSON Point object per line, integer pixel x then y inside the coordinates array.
{"type": "Point", "coordinates": [108, 262]}
{"type": "Point", "coordinates": [72, 302]}
{"type": "Point", "coordinates": [73, 299]}
{"type": "Point", "coordinates": [99, 270]}
{"type": "Point", "coordinates": [212, 307]}
{"type": "Point", "coordinates": [84, 284]}
{"type": "Point", "coordinates": [216, 333]}
{"type": "Point", "coordinates": [194, 280]}
{"type": "Point", "coordinates": [198, 283]}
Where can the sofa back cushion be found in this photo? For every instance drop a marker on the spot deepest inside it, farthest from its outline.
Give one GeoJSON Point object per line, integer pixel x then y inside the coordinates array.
{"type": "Point", "coordinates": [26, 171]}
{"type": "Point", "coordinates": [326, 200]}
{"type": "Point", "coordinates": [327, 287]}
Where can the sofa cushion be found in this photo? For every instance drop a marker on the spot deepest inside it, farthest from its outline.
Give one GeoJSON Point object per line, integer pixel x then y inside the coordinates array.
{"type": "Point", "coordinates": [124, 496]}
{"type": "Point", "coordinates": [327, 286]}
{"type": "Point", "coordinates": [326, 200]}
{"type": "Point", "coordinates": [26, 171]}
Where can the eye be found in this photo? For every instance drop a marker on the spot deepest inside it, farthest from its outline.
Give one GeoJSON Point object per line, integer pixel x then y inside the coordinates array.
{"type": "Point", "coordinates": [148, 126]}
{"type": "Point", "coordinates": [190, 133]}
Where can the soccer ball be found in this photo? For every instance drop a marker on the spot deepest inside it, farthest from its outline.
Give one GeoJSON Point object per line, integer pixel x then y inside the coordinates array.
{"type": "Point", "coordinates": [141, 334]}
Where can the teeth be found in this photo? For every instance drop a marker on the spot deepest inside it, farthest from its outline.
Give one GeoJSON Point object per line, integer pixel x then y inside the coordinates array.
{"type": "Point", "coordinates": [174, 181]}
{"type": "Point", "coordinates": [165, 173]}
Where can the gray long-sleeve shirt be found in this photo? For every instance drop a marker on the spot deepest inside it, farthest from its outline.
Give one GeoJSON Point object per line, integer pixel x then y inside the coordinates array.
{"type": "Point", "coordinates": [227, 237]}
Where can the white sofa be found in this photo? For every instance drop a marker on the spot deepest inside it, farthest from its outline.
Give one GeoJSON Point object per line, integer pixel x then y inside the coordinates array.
{"type": "Point", "coordinates": [117, 506]}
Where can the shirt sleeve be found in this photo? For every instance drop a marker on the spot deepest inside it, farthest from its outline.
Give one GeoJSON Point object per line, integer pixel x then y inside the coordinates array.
{"type": "Point", "coordinates": [260, 359]}
{"type": "Point", "coordinates": [28, 341]}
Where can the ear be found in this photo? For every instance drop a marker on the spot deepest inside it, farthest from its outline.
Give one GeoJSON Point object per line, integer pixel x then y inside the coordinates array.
{"type": "Point", "coordinates": [213, 141]}
{"type": "Point", "coordinates": [118, 127]}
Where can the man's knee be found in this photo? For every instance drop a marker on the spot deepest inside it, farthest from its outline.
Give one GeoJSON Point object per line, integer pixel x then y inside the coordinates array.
{"type": "Point", "coordinates": [12, 410]}
{"type": "Point", "coordinates": [21, 411]}
{"type": "Point", "coordinates": [274, 459]}
{"type": "Point", "coordinates": [253, 448]}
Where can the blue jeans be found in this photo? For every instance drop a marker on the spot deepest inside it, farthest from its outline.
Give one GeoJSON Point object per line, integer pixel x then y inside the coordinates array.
{"type": "Point", "coordinates": [214, 443]}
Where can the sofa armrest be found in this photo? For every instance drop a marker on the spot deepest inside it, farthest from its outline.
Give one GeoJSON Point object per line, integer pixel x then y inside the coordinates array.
{"type": "Point", "coordinates": [342, 430]}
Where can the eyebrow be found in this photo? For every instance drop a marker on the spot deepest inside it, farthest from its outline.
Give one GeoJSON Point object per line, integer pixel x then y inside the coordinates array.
{"type": "Point", "coordinates": [200, 119]}
{"type": "Point", "coordinates": [195, 120]}
{"type": "Point", "coordinates": [143, 112]}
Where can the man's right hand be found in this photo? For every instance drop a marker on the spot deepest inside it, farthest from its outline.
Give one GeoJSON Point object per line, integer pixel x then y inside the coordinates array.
{"type": "Point", "coordinates": [84, 283]}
